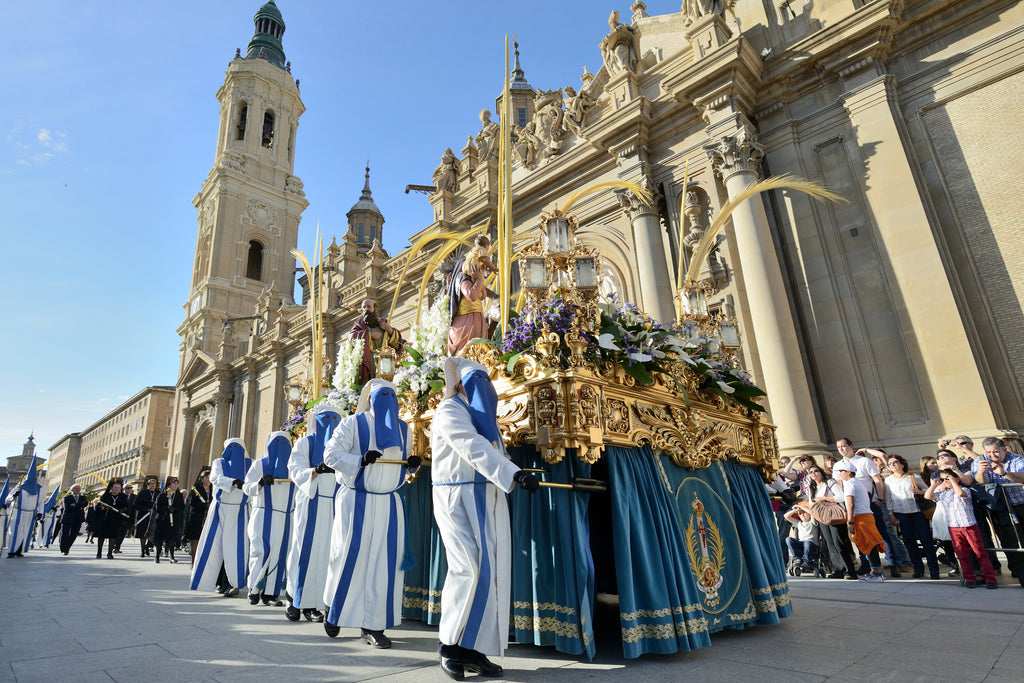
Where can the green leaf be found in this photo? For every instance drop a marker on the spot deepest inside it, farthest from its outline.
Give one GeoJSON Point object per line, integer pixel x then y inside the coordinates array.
{"type": "Point", "coordinates": [409, 364]}
{"type": "Point", "coordinates": [436, 385]}
{"type": "Point", "coordinates": [510, 367]}
{"type": "Point", "coordinates": [489, 342]}
{"type": "Point", "coordinates": [639, 373]}
{"type": "Point", "coordinates": [416, 355]}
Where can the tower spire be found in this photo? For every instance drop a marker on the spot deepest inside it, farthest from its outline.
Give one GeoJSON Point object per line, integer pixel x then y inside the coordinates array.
{"type": "Point", "coordinates": [266, 42]}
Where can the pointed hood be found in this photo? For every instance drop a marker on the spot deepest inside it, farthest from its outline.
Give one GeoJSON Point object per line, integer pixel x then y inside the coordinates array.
{"type": "Point", "coordinates": [51, 502]}
{"type": "Point", "coordinates": [481, 398]}
{"type": "Point", "coordinates": [380, 399]}
{"type": "Point", "coordinates": [234, 459]}
{"type": "Point", "coordinates": [279, 449]}
{"type": "Point", "coordinates": [30, 484]}
{"type": "Point", "coordinates": [325, 418]}
{"type": "Point", "coordinates": [5, 490]}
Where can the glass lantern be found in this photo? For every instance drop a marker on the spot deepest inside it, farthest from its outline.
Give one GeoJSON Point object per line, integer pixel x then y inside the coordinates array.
{"type": "Point", "coordinates": [557, 232]}
{"type": "Point", "coordinates": [730, 334]}
{"type": "Point", "coordinates": [535, 274]}
{"type": "Point", "coordinates": [586, 273]}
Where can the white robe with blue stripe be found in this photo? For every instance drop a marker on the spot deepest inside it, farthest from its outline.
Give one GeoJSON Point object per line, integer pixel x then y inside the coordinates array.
{"type": "Point", "coordinates": [269, 523]}
{"type": "Point", "coordinates": [23, 518]}
{"type": "Point", "coordinates": [470, 479]}
{"type": "Point", "coordinates": [364, 581]}
{"type": "Point", "coordinates": [310, 544]}
{"type": "Point", "coordinates": [223, 540]}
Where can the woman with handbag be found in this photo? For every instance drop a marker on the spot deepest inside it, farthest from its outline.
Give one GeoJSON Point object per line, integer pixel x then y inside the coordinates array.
{"type": "Point", "coordinates": [904, 497]}
{"type": "Point", "coordinates": [825, 494]}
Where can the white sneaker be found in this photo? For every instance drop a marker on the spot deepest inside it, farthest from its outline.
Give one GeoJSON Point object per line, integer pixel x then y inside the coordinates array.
{"type": "Point", "coordinates": [872, 578]}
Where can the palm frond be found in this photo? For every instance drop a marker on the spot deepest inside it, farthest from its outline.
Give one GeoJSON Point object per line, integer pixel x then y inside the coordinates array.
{"type": "Point", "coordinates": [781, 182]}
{"type": "Point", "coordinates": [450, 246]}
{"type": "Point", "coordinates": [642, 192]}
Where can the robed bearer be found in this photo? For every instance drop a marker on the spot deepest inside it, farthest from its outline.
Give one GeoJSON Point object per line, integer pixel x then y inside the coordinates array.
{"type": "Point", "coordinates": [5, 510]}
{"type": "Point", "coordinates": [50, 523]}
{"type": "Point", "coordinates": [365, 574]}
{"type": "Point", "coordinates": [272, 494]}
{"type": "Point", "coordinates": [26, 504]}
{"type": "Point", "coordinates": [221, 558]}
{"type": "Point", "coordinates": [74, 505]}
{"type": "Point", "coordinates": [314, 513]}
{"type": "Point", "coordinates": [471, 474]}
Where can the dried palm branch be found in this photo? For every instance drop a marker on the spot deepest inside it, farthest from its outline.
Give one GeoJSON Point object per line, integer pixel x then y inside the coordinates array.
{"type": "Point", "coordinates": [642, 192]}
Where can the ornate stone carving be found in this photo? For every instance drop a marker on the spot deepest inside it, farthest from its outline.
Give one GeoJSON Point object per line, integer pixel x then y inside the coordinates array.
{"type": "Point", "coordinates": [695, 9]}
{"type": "Point", "coordinates": [634, 206]}
{"type": "Point", "coordinates": [639, 10]}
{"type": "Point", "coordinates": [446, 175]}
{"type": "Point", "coordinates": [293, 185]}
{"type": "Point", "coordinates": [617, 48]}
{"type": "Point", "coordinates": [233, 160]}
{"type": "Point", "coordinates": [735, 154]}
{"type": "Point", "coordinates": [577, 104]}
{"type": "Point", "coordinates": [261, 215]}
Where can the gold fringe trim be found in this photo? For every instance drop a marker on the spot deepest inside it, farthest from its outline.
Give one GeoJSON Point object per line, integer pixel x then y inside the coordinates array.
{"type": "Point", "coordinates": [660, 613]}
{"type": "Point", "coordinates": [544, 607]}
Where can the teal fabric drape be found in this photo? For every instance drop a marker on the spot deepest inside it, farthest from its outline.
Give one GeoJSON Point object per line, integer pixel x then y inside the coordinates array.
{"type": "Point", "coordinates": [738, 592]}
{"type": "Point", "coordinates": [659, 606]}
{"type": "Point", "coordinates": [758, 533]}
{"type": "Point", "coordinates": [552, 568]}
{"type": "Point", "coordinates": [421, 596]}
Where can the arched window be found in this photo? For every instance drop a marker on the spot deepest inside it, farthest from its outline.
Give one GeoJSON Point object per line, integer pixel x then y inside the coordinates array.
{"type": "Point", "coordinates": [268, 130]}
{"type": "Point", "coordinates": [243, 115]}
{"type": "Point", "coordinates": [254, 266]}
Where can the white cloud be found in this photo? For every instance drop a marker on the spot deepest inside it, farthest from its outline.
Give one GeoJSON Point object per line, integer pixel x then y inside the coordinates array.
{"type": "Point", "coordinates": [46, 145]}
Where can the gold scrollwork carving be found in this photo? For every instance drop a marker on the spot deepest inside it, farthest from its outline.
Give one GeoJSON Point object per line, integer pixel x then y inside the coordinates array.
{"type": "Point", "coordinates": [616, 415]}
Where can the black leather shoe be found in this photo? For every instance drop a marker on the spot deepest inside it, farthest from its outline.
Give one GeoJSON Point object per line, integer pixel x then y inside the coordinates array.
{"type": "Point", "coordinates": [451, 665]}
{"type": "Point", "coordinates": [314, 615]}
{"type": "Point", "coordinates": [230, 593]}
{"type": "Point", "coordinates": [331, 630]}
{"type": "Point", "coordinates": [272, 601]}
{"type": "Point", "coordinates": [292, 613]}
{"type": "Point", "coordinates": [376, 638]}
{"type": "Point", "coordinates": [221, 589]}
{"type": "Point", "coordinates": [894, 571]}
{"type": "Point", "coordinates": [477, 662]}
{"type": "Point", "coordinates": [254, 598]}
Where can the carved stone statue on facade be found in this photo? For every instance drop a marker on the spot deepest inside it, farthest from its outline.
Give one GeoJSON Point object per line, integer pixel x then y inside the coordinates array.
{"type": "Point", "coordinates": [446, 176]}
{"type": "Point", "coordinates": [695, 9]}
{"type": "Point", "coordinates": [548, 119]}
{"type": "Point", "coordinates": [617, 47]}
{"type": "Point", "coordinates": [576, 106]}
{"type": "Point", "coordinates": [525, 144]}
{"type": "Point", "coordinates": [487, 138]}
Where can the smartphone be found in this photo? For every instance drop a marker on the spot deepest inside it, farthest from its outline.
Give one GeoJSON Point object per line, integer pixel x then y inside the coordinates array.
{"type": "Point", "coordinates": [935, 476]}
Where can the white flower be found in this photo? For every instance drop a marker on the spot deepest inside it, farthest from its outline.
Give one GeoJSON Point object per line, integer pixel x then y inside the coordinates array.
{"type": "Point", "coordinates": [725, 387]}
{"type": "Point", "coordinates": [350, 356]}
{"type": "Point", "coordinates": [606, 341]}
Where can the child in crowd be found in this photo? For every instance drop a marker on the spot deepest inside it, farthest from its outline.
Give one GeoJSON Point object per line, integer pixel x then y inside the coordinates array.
{"type": "Point", "coordinates": [964, 531]}
{"type": "Point", "coordinates": [803, 547]}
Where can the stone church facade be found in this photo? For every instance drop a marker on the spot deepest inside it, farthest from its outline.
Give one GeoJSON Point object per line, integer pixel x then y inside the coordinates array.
{"type": "Point", "coordinates": [893, 317]}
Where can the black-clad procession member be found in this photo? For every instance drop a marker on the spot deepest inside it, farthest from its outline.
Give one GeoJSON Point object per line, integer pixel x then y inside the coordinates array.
{"type": "Point", "coordinates": [365, 571]}
{"type": "Point", "coordinates": [471, 473]}
{"type": "Point", "coordinates": [129, 522]}
{"type": "Point", "coordinates": [145, 525]}
{"type": "Point", "coordinates": [74, 504]}
{"type": "Point", "coordinates": [111, 513]}
{"type": "Point", "coordinates": [198, 504]}
{"type": "Point", "coordinates": [168, 513]}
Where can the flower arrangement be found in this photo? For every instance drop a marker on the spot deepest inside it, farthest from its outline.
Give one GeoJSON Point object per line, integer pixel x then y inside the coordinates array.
{"type": "Point", "coordinates": [346, 368]}
{"type": "Point", "coordinates": [638, 343]}
{"type": "Point", "coordinates": [430, 335]}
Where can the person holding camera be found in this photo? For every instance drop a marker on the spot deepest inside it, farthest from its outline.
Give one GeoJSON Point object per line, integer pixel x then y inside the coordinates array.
{"type": "Point", "coordinates": [1001, 466]}
{"type": "Point", "coordinates": [946, 490]}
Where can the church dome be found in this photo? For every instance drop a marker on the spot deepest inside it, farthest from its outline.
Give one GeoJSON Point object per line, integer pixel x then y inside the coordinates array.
{"type": "Point", "coordinates": [365, 202]}
{"type": "Point", "coordinates": [266, 42]}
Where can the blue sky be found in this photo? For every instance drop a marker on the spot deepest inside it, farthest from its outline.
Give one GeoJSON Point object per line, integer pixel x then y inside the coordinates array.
{"type": "Point", "coordinates": [108, 130]}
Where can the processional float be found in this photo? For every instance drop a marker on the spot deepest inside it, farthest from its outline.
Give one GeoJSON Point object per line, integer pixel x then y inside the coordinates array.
{"type": "Point", "coordinates": [648, 438]}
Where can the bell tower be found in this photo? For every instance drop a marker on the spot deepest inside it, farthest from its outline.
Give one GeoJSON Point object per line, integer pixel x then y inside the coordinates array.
{"type": "Point", "coordinates": [250, 204]}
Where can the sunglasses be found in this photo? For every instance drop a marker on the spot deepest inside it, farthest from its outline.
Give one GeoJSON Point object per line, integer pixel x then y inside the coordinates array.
{"type": "Point", "coordinates": [893, 462]}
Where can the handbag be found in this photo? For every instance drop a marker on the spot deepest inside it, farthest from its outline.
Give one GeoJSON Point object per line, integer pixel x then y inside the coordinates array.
{"type": "Point", "coordinates": [927, 507]}
{"type": "Point", "coordinates": [828, 512]}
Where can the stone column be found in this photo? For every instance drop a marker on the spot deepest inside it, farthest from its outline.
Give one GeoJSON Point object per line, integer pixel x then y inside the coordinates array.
{"type": "Point", "coordinates": [735, 158]}
{"type": "Point", "coordinates": [656, 290]}
{"type": "Point", "coordinates": [220, 421]}
{"type": "Point", "coordinates": [187, 467]}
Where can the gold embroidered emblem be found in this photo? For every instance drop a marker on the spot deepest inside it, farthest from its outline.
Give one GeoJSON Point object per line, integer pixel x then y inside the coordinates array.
{"type": "Point", "coordinates": [704, 545]}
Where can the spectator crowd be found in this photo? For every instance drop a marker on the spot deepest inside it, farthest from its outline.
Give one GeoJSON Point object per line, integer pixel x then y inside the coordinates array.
{"type": "Point", "coordinates": [863, 511]}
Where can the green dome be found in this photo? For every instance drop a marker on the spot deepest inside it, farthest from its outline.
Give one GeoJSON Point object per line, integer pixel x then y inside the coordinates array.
{"type": "Point", "coordinates": [266, 43]}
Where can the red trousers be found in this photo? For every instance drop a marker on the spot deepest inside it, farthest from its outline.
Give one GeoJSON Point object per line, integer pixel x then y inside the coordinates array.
{"type": "Point", "coordinates": [967, 539]}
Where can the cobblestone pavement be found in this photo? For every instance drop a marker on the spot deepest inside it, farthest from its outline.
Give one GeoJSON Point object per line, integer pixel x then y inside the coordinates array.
{"type": "Point", "coordinates": [77, 618]}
